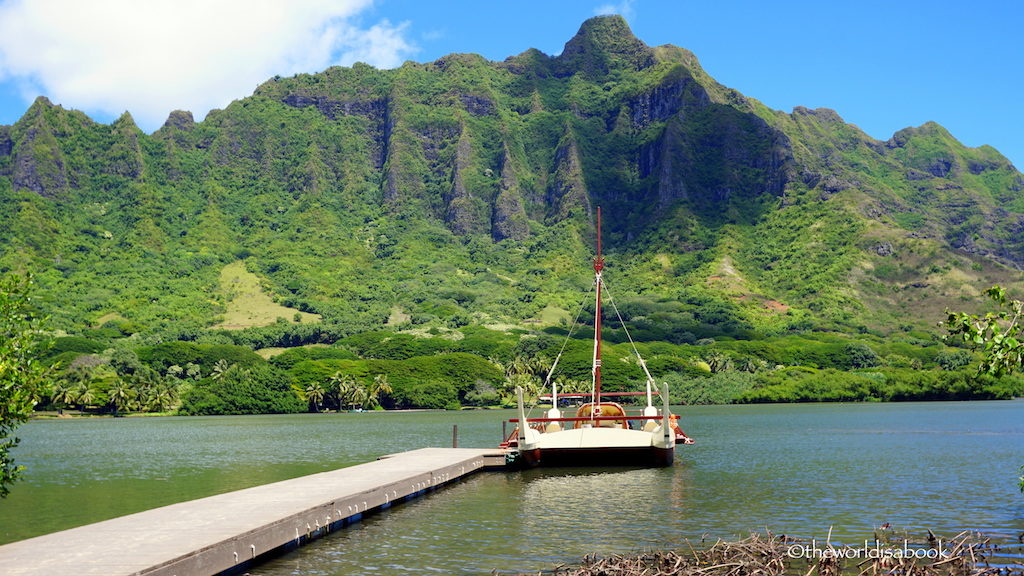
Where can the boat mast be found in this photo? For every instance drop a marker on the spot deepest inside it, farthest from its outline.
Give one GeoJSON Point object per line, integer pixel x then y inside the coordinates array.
{"type": "Point", "coordinates": [598, 266]}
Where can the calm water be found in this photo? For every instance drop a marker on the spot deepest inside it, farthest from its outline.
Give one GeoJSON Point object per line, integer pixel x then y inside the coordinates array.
{"type": "Point", "coordinates": [798, 469]}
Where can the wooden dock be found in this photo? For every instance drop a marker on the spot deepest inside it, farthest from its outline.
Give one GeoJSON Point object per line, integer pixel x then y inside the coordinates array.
{"type": "Point", "coordinates": [211, 535]}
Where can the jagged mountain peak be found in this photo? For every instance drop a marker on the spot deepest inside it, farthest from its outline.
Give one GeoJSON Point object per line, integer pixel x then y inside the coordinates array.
{"type": "Point", "coordinates": [602, 44]}
{"type": "Point", "coordinates": [610, 31]}
{"type": "Point", "coordinates": [929, 129]}
{"type": "Point", "coordinates": [126, 122]}
{"type": "Point", "coordinates": [42, 101]}
{"type": "Point", "coordinates": [179, 120]}
{"type": "Point", "coordinates": [37, 110]}
{"type": "Point", "coordinates": [824, 114]}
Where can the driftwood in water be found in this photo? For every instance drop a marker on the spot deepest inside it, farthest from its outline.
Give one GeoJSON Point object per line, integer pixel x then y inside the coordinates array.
{"type": "Point", "coordinates": [966, 554]}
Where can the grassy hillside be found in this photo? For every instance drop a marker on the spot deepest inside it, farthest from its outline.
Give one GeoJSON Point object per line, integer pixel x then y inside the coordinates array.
{"type": "Point", "coordinates": [248, 305]}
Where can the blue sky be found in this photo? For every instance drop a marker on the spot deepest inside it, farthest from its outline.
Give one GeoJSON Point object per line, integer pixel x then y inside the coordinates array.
{"type": "Point", "coordinates": [882, 65]}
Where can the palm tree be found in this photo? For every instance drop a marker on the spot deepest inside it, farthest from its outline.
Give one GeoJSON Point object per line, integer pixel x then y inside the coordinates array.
{"type": "Point", "coordinates": [357, 397]}
{"type": "Point", "coordinates": [81, 379]}
{"type": "Point", "coordinates": [120, 395]}
{"type": "Point", "coordinates": [750, 364]}
{"type": "Point", "coordinates": [315, 394]}
{"type": "Point", "coordinates": [219, 369]}
{"type": "Point", "coordinates": [63, 394]}
{"type": "Point", "coordinates": [145, 383]}
{"type": "Point", "coordinates": [83, 395]}
{"type": "Point", "coordinates": [193, 371]}
{"type": "Point", "coordinates": [339, 386]}
{"type": "Point", "coordinates": [529, 383]}
{"type": "Point", "coordinates": [161, 399]}
{"type": "Point", "coordinates": [538, 366]}
{"type": "Point", "coordinates": [718, 362]}
{"type": "Point", "coordinates": [518, 365]}
{"type": "Point", "coordinates": [379, 386]}
{"type": "Point", "coordinates": [573, 386]}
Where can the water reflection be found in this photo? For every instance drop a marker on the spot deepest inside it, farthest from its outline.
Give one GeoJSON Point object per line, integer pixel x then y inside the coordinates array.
{"type": "Point", "coordinates": [618, 507]}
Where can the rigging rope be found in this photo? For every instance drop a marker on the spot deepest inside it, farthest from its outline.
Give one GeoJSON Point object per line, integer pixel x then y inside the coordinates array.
{"type": "Point", "coordinates": [565, 342]}
{"type": "Point", "coordinates": [622, 323]}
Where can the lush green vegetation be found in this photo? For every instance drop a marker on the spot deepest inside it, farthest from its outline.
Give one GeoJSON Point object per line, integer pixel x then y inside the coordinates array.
{"type": "Point", "coordinates": [475, 366]}
{"type": "Point", "coordinates": [457, 193]}
{"type": "Point", "coordinates": [421, 236]}
{"type": "Point", "coordinates": [238, 390]}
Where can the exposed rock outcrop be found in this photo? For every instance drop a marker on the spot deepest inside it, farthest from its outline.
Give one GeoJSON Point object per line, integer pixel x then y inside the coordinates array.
{"type": "Point", "coordinates": [509, 217]}
{"type": "Point", "coordinates": [668, 98]}
{"type": "Point", "coordinates": [567, 195]}
{"type": "Point", "coordinates": [464, 213]}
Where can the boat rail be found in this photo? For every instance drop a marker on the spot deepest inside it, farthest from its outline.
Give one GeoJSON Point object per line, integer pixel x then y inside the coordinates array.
{"type": "Point", "coordinates": [511, 439]}
{"type": "Point", "coordinates": [588, 418]}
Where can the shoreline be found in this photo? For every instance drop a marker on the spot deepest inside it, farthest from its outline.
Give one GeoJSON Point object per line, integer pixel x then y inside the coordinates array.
{"type": "Point", "coordinates": [53, 415]}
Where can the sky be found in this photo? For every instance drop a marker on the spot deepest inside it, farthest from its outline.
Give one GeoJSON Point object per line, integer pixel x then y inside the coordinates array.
{"type": "Point", "coordinates": [882, 65]}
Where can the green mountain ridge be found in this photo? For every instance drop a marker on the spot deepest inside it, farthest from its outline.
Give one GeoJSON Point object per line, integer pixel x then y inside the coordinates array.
{"type": "Point", "coordinates": [462, 191]}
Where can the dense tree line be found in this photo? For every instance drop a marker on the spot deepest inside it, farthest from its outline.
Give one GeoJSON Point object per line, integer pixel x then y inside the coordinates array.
{"type": "Point", "coordinates": [474, 366]}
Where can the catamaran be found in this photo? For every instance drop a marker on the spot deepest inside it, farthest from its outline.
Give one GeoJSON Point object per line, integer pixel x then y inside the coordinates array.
{"type": "Point", "coordinates": [601, 433]}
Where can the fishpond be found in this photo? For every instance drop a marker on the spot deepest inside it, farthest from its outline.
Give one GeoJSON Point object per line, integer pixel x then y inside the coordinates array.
{"type": "Point", "coordinates": [795, 469]}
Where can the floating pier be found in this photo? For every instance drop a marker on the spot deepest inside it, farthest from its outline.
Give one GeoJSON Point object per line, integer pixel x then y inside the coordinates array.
{"type": "Point", "coordinates": [219, 533]}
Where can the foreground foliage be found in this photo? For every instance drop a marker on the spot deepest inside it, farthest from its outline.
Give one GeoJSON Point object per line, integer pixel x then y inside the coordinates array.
{"type": "Point", "coordinates": [999, 334]}
{"type": "Point", "coordinates": [21, 373]}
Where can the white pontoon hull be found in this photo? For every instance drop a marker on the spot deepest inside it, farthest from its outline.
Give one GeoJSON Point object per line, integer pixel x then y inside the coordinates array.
{"type": "Point", "coordinates": [597, 447]}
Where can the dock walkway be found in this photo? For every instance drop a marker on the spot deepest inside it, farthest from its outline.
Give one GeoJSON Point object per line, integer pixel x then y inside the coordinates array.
{"type": "Point", "coordinates": [210, 535]}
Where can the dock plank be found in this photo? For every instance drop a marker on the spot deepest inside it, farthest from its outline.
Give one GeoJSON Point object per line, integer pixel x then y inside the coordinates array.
{"type": "Point", "coordinates": [213, 534]}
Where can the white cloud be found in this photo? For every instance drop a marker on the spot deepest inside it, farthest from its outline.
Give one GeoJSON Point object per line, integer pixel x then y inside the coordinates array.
{"type": "Point", "coordinates": [151, 57]}
{"type": "Point", "coordinates": [623, 8]}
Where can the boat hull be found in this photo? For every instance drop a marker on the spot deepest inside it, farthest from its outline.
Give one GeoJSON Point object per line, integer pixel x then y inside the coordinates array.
{"type": "Point", "coordinates": [640, 456]}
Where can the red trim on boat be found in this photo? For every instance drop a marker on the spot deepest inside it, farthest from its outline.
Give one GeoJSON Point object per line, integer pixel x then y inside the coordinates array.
{"type": "Point", "coordinates": [587, 418]}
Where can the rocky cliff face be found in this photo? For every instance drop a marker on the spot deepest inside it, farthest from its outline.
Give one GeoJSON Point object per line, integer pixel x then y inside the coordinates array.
{"type": "Point", "coordinates": [437, 138]}
{"type": "Point", "coordinates": [500, 150]}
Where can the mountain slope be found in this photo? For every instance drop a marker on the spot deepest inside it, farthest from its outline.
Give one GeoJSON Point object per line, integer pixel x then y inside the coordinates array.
{"type": "Point", "coordinates": [462, 191]}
